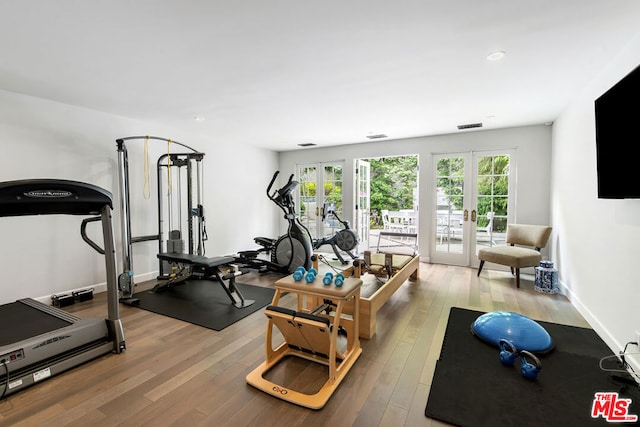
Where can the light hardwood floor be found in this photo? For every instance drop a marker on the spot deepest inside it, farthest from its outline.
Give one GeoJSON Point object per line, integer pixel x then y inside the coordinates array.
{"type": "Point", "coordinates": [175, 373]}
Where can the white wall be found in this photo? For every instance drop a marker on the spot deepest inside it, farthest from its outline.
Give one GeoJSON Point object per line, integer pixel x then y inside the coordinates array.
{"type": "Point", "coordinates": [533, 150]}
{"type": "Point", "coordinates": [595, 242]}
{"type": "Point", "coordinates": [45, 255]}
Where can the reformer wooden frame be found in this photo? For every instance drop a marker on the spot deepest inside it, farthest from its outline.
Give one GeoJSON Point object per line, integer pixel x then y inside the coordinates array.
{"type": "Point", "coordinates": [400, 270]}
{"type": "Point", "coordinates": [308, 337]}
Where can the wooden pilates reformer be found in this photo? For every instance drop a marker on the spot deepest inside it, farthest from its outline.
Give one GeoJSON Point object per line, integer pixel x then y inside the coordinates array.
{"type": "Point", "coordinates": [312, 335]}
{"type": "Point", "coordinates": [387, 272]}
{"type": "Point", "coordinates": [382, 274]}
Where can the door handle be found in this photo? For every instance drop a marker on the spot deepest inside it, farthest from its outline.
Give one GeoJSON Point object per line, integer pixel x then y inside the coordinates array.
{"type": "Point", "coordinates": [466, 215]}
{"type": "Point", "coordinates": [473, 215]}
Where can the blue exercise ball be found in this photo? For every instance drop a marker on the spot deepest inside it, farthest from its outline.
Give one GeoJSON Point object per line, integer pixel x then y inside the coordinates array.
{"type": "Point", "coordinates": [523, 332]}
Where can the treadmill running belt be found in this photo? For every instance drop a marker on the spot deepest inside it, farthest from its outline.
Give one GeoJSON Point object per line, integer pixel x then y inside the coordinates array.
{"type": "Point", "coordinates": [19, 321]}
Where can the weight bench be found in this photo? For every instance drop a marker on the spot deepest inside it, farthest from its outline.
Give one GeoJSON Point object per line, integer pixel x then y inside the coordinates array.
{"type": "Point", "coordinates": [186, 266]}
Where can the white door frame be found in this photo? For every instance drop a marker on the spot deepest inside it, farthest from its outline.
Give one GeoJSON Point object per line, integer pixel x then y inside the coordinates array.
{"type": "Point", "coordinates": [363, 203]}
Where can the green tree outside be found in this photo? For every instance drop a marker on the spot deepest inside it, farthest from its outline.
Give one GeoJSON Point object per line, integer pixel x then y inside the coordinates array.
{"type": "Point", "coordinates": [392, 184]}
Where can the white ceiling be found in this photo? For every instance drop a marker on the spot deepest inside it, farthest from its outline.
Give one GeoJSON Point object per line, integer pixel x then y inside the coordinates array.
{"type": "Point", "coordinates": [276, 73]}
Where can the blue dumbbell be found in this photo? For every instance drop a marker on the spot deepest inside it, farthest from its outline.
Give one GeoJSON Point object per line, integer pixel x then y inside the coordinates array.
{"type": "Point", "coordinates": [339, 279]}
{"type": "Point", "coordinates": [311, 275]}
{"type": "Point", "coordinates": [328, 278]}
{"type": "Point", "coordinates": [299, 274]}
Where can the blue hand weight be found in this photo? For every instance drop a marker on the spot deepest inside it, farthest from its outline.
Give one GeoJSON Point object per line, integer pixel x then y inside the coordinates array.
{"type": "Point", "coordinates": [508, 352]}
{"type": "Point", "coordinates": [339, 279]}
{"type": "Point", "coordinates": [311, 275]}
{"type": "Point", "coordinates": [328, 278]}
{"type": "Point", "coordinates": [299, 274]}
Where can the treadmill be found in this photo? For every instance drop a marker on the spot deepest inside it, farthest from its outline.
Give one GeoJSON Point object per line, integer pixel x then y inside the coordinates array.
{"type": "Point", "coordinates": [38, 341]}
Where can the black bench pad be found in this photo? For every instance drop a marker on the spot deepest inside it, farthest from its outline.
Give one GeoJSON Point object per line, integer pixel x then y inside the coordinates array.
{"type": "Point", "coordinates": [196, 259]}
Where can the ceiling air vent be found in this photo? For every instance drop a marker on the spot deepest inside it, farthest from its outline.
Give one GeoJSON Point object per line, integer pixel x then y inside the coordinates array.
{"type": "Point", "coordinates": [378, 136]}
{"type": "Point", "coordinates": [469, 126]}
{"type": "Point", "coordinates": [306, 144]}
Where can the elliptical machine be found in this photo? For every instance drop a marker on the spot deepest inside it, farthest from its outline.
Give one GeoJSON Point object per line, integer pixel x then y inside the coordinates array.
{"type": "Point", "coordinates": [289, 251]}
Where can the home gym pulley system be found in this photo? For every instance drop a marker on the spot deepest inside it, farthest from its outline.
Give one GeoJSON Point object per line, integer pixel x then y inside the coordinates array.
{"type": "Point", "coordinates": [37, 340]}
{"type": "Point", "coordinates": [179, 204]}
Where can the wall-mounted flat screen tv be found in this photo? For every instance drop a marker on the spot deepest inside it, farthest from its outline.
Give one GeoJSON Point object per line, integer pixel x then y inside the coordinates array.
{"type": "Point", "coordinates": [618, 139]}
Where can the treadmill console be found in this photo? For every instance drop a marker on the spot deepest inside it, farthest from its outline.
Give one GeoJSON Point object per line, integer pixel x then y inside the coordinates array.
{"type": "Point", "coordinates": [12, 356]}
{"type": "Point", "coordinates": [52, 196]}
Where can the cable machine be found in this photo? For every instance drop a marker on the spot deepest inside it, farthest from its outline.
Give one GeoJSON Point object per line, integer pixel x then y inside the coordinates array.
{"type": "Point", "coordinates": [176, 175]}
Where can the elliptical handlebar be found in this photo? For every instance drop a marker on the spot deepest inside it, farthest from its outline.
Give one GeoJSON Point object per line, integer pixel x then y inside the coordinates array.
{"type": "Point", "coordinates": [283, 197]}
{"type": "Point", "coordinates": [275, 175]}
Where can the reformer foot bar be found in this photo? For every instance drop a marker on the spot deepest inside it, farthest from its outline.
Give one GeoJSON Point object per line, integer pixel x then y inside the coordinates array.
{"type": "Point", "coordinates": [311, 336]}
{"type": "Point", "coordinates": [201, 267]}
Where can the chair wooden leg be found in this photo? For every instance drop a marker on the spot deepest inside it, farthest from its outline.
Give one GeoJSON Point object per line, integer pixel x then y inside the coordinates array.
{"type": "Point", "coordinates": [517, 277]}
{"type": "Point", "coordinates": [480, 267]}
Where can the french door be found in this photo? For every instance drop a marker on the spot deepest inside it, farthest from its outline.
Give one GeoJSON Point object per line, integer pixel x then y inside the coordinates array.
{"type": "Point", "coordinates": [473, 194]}
{"type": "Point", "coordinates": [320, 193]}
{"type": "Point", "coordinates": [363, 207]}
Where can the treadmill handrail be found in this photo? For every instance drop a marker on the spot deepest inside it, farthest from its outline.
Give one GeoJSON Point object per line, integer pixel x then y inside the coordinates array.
{"type": "Point", "coordinates": [83, 233]}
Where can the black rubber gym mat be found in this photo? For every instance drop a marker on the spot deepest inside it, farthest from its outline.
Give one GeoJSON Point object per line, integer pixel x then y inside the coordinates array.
{"type": "Point", "coordinates": [204, 303]}
{"type": "Point", "coordinates": [471, 387]}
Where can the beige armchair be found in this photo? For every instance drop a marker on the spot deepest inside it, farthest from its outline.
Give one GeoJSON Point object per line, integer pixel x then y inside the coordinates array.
{"type": "Point", "coordinates": [517, 257]}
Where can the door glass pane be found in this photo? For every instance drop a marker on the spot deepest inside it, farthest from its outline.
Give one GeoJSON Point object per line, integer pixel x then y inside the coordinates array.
{"type": "Point", "coordinates": [307, 177]}
{"type": "Point", "coordinates": [493, 200]}
{"type": "Point", "coordinates": [450, 205]}
{"type": "Point", "coordinates": [332, 198]}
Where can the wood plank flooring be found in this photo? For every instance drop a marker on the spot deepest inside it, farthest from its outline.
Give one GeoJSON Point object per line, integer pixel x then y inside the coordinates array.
{"type": "Point", "coordinates": [174, 373]}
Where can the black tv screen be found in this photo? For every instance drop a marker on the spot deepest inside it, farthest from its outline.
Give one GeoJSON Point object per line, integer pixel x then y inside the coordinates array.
{"type": "Point", "coordinates": [618, 138]}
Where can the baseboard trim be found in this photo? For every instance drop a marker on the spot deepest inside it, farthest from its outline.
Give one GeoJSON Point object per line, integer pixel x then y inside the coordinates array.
{"type": "Point", "coordinates": [98, 287]}
{"type": "Point", "coordinates": [600, 329]}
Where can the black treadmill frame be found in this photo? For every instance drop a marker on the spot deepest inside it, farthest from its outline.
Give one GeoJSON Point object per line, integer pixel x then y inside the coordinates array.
{"type": "Point", "coordinates": [24, 362]}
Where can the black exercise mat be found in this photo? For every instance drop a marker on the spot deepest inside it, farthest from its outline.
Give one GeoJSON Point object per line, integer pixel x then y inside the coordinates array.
{"type": "Point", "coordinates": [204, 302]}
{"type": "Point", "coordinates": [471, 387]}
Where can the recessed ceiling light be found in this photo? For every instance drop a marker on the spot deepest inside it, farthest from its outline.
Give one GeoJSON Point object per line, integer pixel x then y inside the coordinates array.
{"type": "Point", "coordinates": [496, 56]}
{"type": "Point", "coordinates": [198, 119]}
